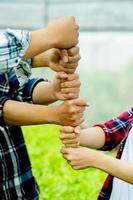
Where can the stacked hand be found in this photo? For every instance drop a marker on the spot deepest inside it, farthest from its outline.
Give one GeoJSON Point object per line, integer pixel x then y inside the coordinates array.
{"type": "Point", "coordinates": [59, 60]}
{"type": "Point", "coordinates": [81, 157]}
{"type": "Point", "coordinates": [77, 157]}
{"type": "Point", "coordinates": [70, 136]}
{"type": "Point", "coordinates": [64, 60]}
{"type": "Point", "coordinates": [66, 86]}
{"type": "Point", "coordinates": [70, 112]}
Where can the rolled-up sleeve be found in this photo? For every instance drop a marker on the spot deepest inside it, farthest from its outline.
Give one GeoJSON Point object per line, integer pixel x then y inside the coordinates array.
{"type": "Point", "coordinates": [116, 129]}
{"type": "Point", "coordinates": [3, 99]}
{"type": "Point", "coordinates": [25, 94]}
{"type": "Point", "coordinates": [13, 45]}
{"type": "Point", "coordinates": [29, 87]}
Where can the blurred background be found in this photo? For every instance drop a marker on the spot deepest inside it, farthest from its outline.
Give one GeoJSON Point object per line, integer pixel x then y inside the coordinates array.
{"type": "Point", "coordinates": [106, 71]}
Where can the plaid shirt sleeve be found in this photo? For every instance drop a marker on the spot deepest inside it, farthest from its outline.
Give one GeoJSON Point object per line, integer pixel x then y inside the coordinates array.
{"type": "Point", "coordinates": [3, 99]}
{"type": "Point", "coordinates": [13, 45]}
{"type": "Point", "coordinates": [116, 130]}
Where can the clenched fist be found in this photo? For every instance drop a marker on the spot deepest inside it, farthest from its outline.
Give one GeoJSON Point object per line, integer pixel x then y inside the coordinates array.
{"type": "Point", "coordinates": [64, 32]}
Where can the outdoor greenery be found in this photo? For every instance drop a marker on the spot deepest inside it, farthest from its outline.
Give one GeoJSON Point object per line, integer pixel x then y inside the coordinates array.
{"type": "Point", "coordinates": [109, 94]}
{"type": "Point", "coordinates": [56, 178]}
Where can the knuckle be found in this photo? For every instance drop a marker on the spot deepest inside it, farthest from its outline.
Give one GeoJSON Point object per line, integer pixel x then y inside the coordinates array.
{"type": "Point", "coordinates": [72, 118]}
{"type": "Point", "coordinates": [61, 137]}
{"type": "Point", "coordinates": [72, 110]}
{"type": "Point", "coordinates": [64, 142]}
{"type": "Point", "coordinates": [71, 130]}
{"type": "Point", "coordinates": [75, 96]}
{"type": "Point", "coordinates": [69, 104]}
{"type": "Point", "coordinates": [62, 85]}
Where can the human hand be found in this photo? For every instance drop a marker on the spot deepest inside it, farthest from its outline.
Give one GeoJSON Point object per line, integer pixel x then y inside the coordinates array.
{"type": "Point", "coordinates": [66, 86]}
{"type": "Point", "coordinates": [59, 60]}
{"type": "Point", "coordinates": [64, 60]}
{"type": "Point", "coordinates": [79, 158]}
{"type": "Point", "coordinates": [69, 136]}
{"type": "Point", "coordinates": [70, 113]}
{"type": "Point", "coordinates": [64, 32]}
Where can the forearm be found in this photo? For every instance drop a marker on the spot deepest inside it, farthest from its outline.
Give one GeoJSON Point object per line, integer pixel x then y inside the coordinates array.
{"type": "Point", "coordinates": [40, 41]}
{"type": "Point", "coordinates": [19, 113]}
{"type": "Point", "coordinates": [43, 94]}
{"type": "Point", "coordinates": [41, 60]}
{"type": "Point", "coordinates": [118, 168]}
{"type": "Point", "coordinates": [92, 137]}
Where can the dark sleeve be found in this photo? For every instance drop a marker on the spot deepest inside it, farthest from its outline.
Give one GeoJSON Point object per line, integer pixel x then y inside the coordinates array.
{"type": "Point", "coordinates": [25, 94]}
{"type": "Point", "coordinates": [3, 99]}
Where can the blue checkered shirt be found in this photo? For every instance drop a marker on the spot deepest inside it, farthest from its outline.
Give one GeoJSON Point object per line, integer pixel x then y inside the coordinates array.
{"type": "Point", "coordinates": [16, 178]}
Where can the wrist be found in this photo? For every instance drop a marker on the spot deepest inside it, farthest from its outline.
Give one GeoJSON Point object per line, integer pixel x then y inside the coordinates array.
{"type": "Point", "coordinates": [53, 114]}
{"type": "Point", "coordinates": [41, 60]}
{"type": "Point", "coordinates": [99, 160]}
{"type": "Point", "coordinates": [54, 93]}
{"type": "Point", "coordinates": [46, 38]}
{"type": "Point", "coordinates": [51, 37]}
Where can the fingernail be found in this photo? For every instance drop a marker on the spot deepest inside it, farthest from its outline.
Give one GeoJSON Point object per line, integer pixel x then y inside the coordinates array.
{"type": "Point", "coordinates": [77, 130]}
{"type": "Point", "coordinates": [65, 59]}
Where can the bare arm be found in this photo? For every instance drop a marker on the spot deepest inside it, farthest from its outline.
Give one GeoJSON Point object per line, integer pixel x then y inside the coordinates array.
{"type": "Point", "coordinates": [118, 168]}
{"type": "Point", "coordinates": [58, 59]}
{"type": "Point", "coordinates": [93, 137]}
{"type": "Point", "coordinates": [81, 158]}
{"type": "Point", "coordinates": [39, 42]}
{"type": "Point", "coordinates": [43, 94]}
{"type": "Point", "coordinates": [19, 113]}
{"type": "Point", "coordinates": [106, 135]}
{"type": "Point", "coordinates": [60, 33]}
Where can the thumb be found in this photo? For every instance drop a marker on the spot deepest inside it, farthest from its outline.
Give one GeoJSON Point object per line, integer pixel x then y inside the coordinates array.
{"type": "Point", "coordinates": [81, 102]}
{"type": "Point", "coordinates": [64, 55]}
{"type": "Point", "coordinates": [77, 129]}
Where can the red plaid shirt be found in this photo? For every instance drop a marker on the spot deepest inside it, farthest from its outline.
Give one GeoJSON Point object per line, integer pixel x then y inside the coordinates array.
{"type": "Point", "coordinates": [116, 132]}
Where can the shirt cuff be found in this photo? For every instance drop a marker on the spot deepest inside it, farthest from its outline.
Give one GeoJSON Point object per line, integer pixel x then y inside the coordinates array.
{"type": "Point", "coordinates": [107, 146]}
{"type": "Point", "coordinates": [3, 99]}
{"type": "Point", "coordinates": [29, 87]}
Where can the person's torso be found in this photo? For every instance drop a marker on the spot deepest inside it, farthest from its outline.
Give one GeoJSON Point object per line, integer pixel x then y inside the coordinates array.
{"type": "Point", "coordinates": [122, 190]}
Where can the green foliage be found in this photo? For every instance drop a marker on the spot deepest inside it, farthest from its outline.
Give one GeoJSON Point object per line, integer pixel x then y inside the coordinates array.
{"type": "Point", "coordinates": [56, 179]}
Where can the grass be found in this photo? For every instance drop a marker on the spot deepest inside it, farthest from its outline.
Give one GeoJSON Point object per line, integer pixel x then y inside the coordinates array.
{"type": "Point", "coordinates": [55, 177]}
